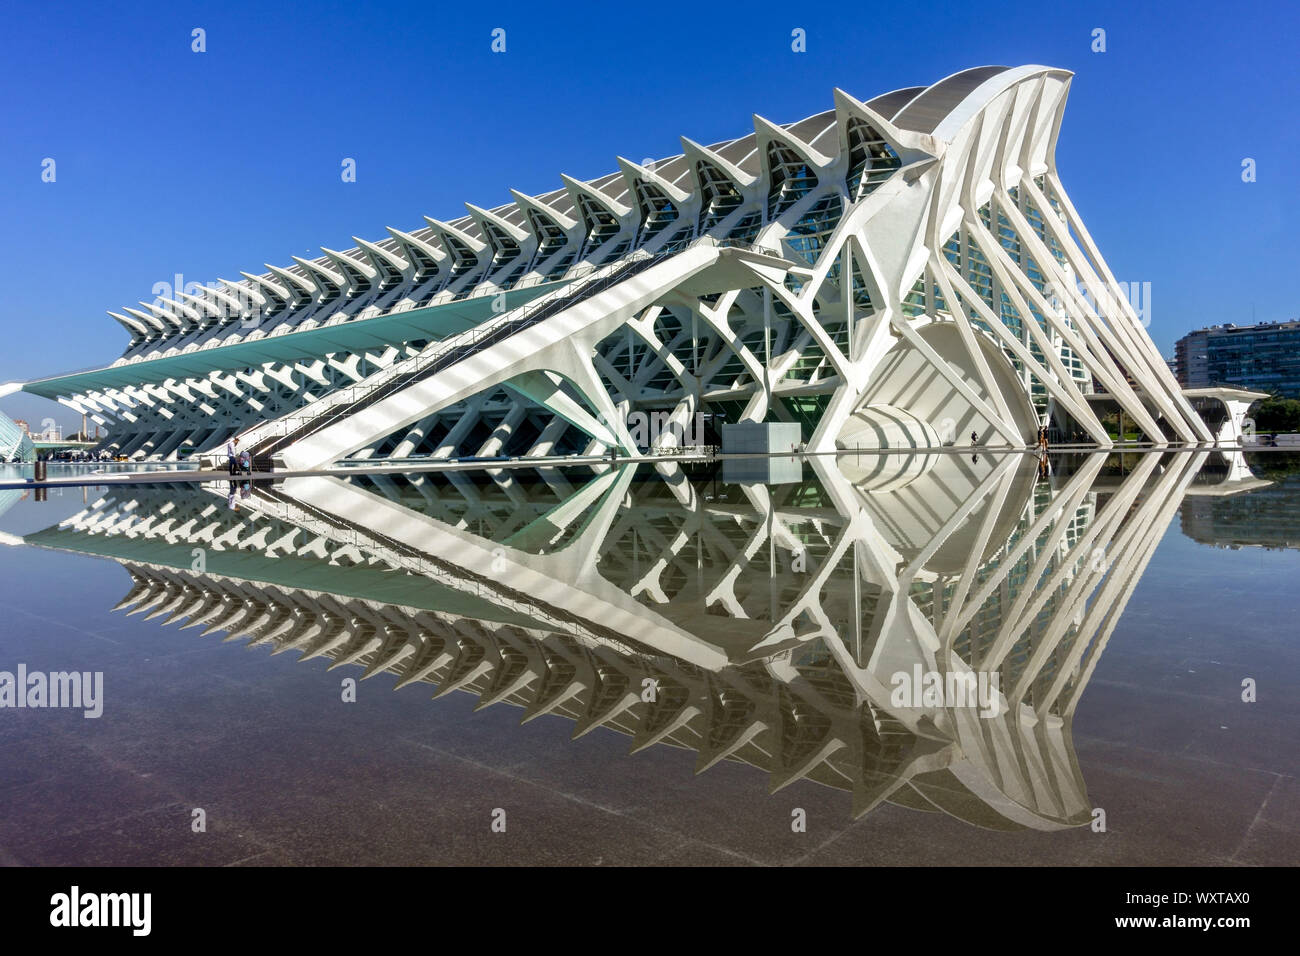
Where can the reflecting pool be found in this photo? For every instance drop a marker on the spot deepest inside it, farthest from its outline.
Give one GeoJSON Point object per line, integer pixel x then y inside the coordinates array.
{"type": "Point", "coordinates": [927, 658]}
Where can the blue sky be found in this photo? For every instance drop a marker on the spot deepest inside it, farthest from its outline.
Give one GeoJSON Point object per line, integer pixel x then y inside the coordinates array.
{"type": "Point", "coordinates": [205, 164]}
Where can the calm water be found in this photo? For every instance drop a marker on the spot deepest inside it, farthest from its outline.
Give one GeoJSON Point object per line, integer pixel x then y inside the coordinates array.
{"type": "Point", "coordinates": [665, 666]}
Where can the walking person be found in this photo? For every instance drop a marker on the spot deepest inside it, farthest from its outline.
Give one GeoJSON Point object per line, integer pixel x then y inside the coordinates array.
{"type": "Point", "coordinates": [232, 455]}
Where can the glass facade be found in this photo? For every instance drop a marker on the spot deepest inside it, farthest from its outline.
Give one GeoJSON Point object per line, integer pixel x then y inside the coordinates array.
{"type": "Point", "coordinates": [719, 197]}
{"type": "Point", "coordinates": [871, 160]}
{"type": "Point", "coordinates": [657, 211]}
{"type": "Point", "coordinates": [790, 177]}
{"type": "Point", "coordinates": [1264, 357]}
{"type": "Point", "coordinates": [808, 236]}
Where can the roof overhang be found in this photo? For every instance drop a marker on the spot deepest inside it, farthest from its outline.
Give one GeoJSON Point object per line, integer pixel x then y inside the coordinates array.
{"type": "Point", "coordinates": [347, 337]}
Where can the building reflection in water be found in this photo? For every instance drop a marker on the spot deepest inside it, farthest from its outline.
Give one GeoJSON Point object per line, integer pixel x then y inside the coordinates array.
{"type": "Point", "coordinates": [773, 624]}
{"type": "Point", "coordinates": [1217, 512]}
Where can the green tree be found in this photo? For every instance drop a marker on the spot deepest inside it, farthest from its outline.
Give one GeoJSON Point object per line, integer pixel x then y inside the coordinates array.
{"type": "Point", "coordinates": [1276, 414]}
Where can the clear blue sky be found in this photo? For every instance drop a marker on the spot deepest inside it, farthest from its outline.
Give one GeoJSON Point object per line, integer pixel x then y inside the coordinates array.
{"type": "Point", "coordinates": [207, 164]}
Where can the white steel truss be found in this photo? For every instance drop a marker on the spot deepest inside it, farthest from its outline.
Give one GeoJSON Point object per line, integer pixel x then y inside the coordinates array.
{"type": "Point", "coordinates": [901, 271]}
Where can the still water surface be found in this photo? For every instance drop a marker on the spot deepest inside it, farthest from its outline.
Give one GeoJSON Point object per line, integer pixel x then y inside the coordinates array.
{"type": "Point", "coordinates": [785, 655]}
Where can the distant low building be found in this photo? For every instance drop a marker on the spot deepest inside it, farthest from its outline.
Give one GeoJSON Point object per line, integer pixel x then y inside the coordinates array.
{"type": "Point", "coordinates": [1264, 357]}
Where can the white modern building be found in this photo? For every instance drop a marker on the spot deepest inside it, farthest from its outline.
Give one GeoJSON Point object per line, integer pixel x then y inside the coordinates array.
{"type": "Point", "coordinates": [904, 271]}
{"type": "Point", "coordinates": [15, 443]}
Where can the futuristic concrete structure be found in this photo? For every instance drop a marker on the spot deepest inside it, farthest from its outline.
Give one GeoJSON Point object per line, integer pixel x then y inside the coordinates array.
{"type": "Point", "coordinates": [898, 272]}
{"type": "Point", "coordinates": [15, 443]}
{"type": "Point", "coordinates": [758, 623]}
